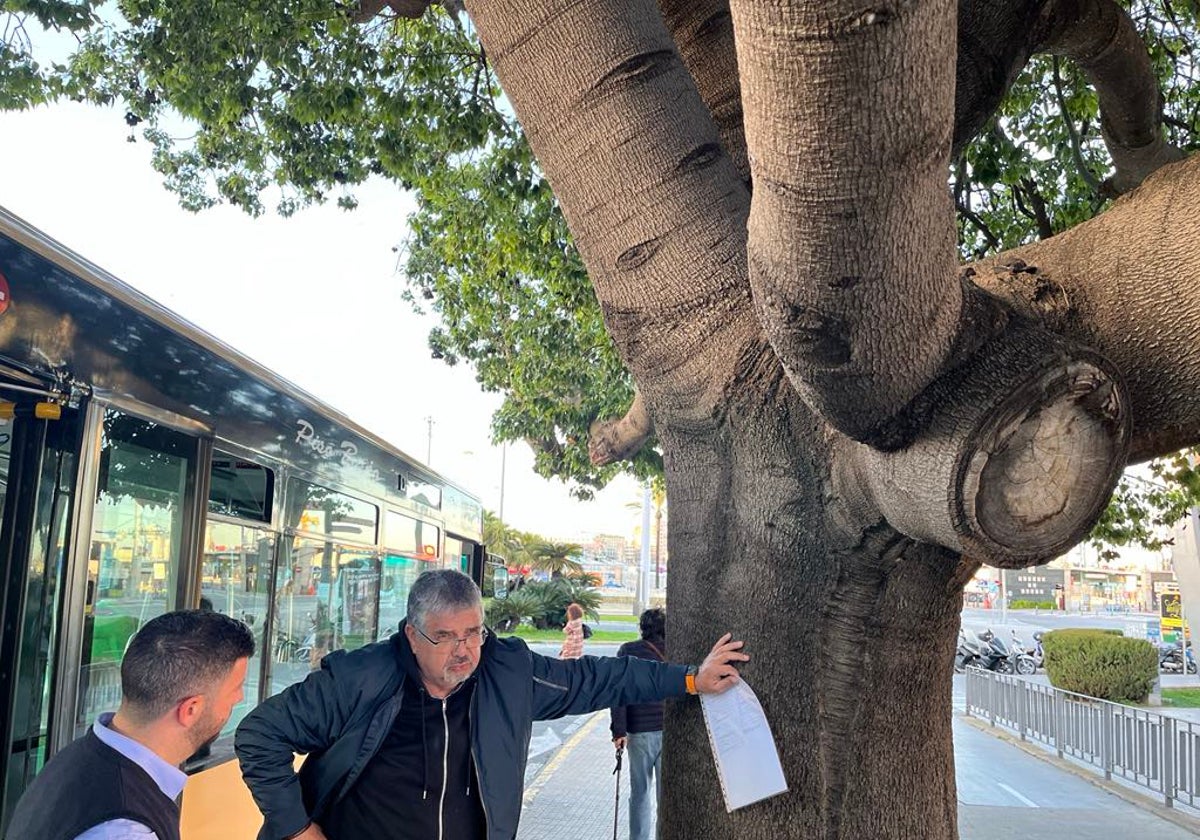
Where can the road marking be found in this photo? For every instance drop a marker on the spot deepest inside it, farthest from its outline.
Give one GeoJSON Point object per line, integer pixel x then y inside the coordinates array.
{"type": "Point", "coordinates": [553, 764]}
{"type": "Point", "coordinates": [1024, 799]}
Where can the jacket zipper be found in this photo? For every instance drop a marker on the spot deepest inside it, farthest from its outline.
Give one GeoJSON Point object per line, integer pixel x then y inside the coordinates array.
{"type": "Point", "coordinates": [549, 684]}
{"type": "Point", "coordinates": [478, 775]}
{"type": "Point", "coordinates": [445, 771]}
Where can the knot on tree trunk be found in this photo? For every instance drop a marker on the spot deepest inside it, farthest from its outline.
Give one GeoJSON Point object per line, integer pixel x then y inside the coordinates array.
{"type": "Point", "coordinates": [619, 439]}
{"type": "Point", "coordinates": [1023, 448]}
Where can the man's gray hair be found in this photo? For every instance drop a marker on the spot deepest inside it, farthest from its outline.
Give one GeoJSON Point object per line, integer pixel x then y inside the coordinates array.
{"type": "Point", "coordinates": [443, 590]}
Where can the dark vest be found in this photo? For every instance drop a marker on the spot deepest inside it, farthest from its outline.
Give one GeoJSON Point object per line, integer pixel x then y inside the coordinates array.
{"type": "Point", "coordinates": [86, 784]}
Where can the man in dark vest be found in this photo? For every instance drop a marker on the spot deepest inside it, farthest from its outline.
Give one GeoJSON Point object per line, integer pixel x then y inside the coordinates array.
{"type": "Point", "coordinates": [180, 679]}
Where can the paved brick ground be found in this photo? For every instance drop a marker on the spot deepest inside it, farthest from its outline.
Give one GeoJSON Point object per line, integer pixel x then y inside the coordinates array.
{"type": "Point", "coordinates": [574, 796]}
{"type": "Point", "coordinates": [1004, 794]}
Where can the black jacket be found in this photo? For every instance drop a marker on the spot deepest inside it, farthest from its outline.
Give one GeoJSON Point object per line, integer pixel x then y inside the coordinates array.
{"type": "Point", "coordinates": [640, 717]}
{"type": "Point", "coordinates": [341, 714]}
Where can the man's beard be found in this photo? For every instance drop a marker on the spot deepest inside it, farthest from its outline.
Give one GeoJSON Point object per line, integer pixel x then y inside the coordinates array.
{"type": "Point", "coordinates": [207, 730]}
{"type": "Point", "coordinates": [451, 677]}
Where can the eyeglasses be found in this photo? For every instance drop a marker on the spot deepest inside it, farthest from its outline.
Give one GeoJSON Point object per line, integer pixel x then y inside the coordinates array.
{"type": "Point", "coordinates": [473, 640]}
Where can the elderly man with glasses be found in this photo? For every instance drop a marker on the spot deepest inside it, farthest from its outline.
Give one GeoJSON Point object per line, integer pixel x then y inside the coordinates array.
{"type": "Point", "coordinates": [425, 736]}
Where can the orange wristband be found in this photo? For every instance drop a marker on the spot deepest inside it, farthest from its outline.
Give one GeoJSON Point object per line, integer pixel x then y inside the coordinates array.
{"type": "Point", "coordinates": [690, 682]}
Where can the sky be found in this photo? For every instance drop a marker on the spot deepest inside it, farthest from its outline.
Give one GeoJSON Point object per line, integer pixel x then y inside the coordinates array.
{"type": "Point", "coordinates": [315, 297]}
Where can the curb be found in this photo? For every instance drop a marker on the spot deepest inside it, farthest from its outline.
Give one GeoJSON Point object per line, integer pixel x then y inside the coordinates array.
{"type": "Point", "coordinates": [1133, 797]}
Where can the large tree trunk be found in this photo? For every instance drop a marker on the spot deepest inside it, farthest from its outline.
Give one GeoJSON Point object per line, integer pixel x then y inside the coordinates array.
{"type": "Point", "coordinates": [842, 416]}
{"type": "Point", "coordinates": [851, 627]}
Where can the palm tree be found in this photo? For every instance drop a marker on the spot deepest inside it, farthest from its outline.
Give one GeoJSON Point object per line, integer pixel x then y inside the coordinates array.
{"type": "Point", "coordinates": [557, 558]}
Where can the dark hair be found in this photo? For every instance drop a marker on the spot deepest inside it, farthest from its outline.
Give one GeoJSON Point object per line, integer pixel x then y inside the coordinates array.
{"type": "Point", "coordinates": [177, 655]}
{"type": "Point", "coordinates": [441, 590]}
{"type": "Point", "coordinates": [653, 623]}
{"type": "Point", "coordinates": [574, 611]}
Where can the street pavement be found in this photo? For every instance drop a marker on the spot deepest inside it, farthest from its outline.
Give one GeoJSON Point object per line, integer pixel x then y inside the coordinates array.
{"type": "Point", "coordinates": [1004, 792]}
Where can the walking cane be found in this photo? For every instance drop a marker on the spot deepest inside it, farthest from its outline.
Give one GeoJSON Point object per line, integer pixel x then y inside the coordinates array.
{"type": "Point", "coordinates": [617, 809]}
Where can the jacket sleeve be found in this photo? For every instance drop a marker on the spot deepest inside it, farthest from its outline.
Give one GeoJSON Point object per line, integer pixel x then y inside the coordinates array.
{"type": "Point", "coordinates": [619, 714]}
{"type": "Point", "coordinates": [305, 718]}
{"type": "Point", "coordinates": [576, 686]}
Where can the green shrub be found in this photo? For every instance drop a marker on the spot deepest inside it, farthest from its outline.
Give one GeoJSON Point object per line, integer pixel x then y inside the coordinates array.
{"type": "Point", "coordinates": [1022, 604]}
{"type": "Point", "coordinates": [542, 605]}
{"type": "Point", "coordinates": [1101, 663]}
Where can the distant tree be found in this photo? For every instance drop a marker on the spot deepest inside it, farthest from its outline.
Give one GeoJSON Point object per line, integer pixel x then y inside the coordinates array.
{"type": "Point", "coordinates": [558, 559]}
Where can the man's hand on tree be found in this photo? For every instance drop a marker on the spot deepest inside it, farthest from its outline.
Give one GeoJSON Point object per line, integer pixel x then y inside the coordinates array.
{"type": "Point", "coordinates": [717, 673]}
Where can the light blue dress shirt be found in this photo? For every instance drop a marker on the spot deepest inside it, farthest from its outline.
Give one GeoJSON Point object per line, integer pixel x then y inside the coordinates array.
{"type": "Point", "coordinates": [169, 778]}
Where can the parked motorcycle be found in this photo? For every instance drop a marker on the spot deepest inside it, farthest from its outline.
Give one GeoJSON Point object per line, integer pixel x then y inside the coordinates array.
{"type": "Point", "coordinates": [1038, 653]}
{"type": "Point", "coordinates": [968, 654]}
{"type": "Point", "coordinates": [1022, 661]}
{"type": "Point", "coordinates": [1171, 659]}
{"type": "Point", "coordinates": [975, 650]}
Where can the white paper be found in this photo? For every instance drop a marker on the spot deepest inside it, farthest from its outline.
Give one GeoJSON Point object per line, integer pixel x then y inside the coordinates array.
{"type": "Point", "coordinates": [744, 749]}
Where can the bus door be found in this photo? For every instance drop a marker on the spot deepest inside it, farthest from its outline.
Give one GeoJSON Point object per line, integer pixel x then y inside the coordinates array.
{"type": "Point", "coordinates": [135, 552]}
{"type": "Point", "coordinates": [39, 442]}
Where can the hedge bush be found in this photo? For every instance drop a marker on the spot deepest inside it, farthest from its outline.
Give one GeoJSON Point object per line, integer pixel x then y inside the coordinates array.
{"type": "Point", "coordinates": [1101, 663]}
{"type": "Point", "coordinates": [1023, 604]}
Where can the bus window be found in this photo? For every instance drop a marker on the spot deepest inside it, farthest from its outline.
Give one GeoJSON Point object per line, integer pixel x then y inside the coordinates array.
{"type": "Point", "coordinates": [137, 540]}
{"type": "Point", "coordinates": [240, 488]}
{"type": "Point", "coordinates": [319, 510]}
{"type": "Point", "coordinates": [412, 548]}
{"type": "Point", "coordinates": [234, 579]}
{"type": "Point", "coordinates": [406, 535]}
{"type": "Point", "coordinates": [423, 492]}
{"type": "Point", "coordinates": [455, 556]}
{"type": "Point", "coordinates": [325, 599]}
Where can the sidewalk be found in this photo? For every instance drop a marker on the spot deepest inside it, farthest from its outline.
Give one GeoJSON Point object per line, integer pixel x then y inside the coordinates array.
{"type": "Point", "coordinates": [1004, 793]}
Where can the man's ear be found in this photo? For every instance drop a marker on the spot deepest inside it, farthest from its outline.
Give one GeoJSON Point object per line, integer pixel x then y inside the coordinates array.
{"type": "Point", "coordinates": [410, 634]}
{"type": "Point", "coordinates": [189, 710]}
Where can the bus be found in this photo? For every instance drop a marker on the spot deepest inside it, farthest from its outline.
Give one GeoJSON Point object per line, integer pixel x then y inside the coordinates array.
{"type": "Point", "coordinates": [145, 466]}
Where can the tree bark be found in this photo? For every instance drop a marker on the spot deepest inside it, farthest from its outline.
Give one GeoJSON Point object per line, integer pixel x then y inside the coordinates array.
{"type": "Point", "coordinates": [1124, 283]}
{"type": "Point", "coordinates": [838, 610]}
{"type": "Point", "coordinates": [655, 205]}
{"type": "Point", "coordinates": [848, 117]}
{"type": "Point", "coordinates": [703, 34]}
{"type": "Point", "coordinates": [839, 563]}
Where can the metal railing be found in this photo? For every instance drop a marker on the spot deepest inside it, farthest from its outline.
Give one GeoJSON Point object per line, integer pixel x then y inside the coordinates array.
{"type": "Point", "coordinates": [1157, 752]}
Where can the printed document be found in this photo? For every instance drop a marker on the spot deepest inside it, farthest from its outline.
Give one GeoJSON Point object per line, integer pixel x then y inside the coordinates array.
{"type": "Point", "coordinates": [742, 744]}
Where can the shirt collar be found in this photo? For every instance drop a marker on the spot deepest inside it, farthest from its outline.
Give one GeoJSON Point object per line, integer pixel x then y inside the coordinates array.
{"type": "Point", "coordinates": [169, 778]}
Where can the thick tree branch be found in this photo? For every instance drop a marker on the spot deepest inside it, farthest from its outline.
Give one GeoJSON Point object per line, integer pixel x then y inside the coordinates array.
{"type": "Point", "coordinates": [703, 33]}
{"type": "Point", "coordinates": [1125, 284]}
{"type": "Point", "coordinates": [848, 118]}
{"type": "Point", "coordinates": [656, 207]}
{"type": "Point", "coordinates": [618, 439]}
{"type": "Point", "coordinates": [1099, 36]}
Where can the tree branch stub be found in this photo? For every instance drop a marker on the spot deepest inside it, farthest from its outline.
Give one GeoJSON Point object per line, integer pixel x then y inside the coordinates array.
{"type": "Point", "coordinates": [618, 439]}
{"type": "Point", "coordinates": [1027, 442]}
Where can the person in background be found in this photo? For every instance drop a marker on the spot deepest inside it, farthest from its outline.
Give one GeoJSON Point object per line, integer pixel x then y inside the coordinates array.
{"type": "Point", "coordinates": [572, 646]}
{"type": "Point", "coordinates": [638, 728]}
{"type": "Point", "coordinates": [182, 675]}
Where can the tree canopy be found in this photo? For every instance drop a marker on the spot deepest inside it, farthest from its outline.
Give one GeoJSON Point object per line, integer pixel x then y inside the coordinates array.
{"type": "Point", "coordinates": [297, 103]}
{"type": "Point", "coordinates": [285, 105]}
